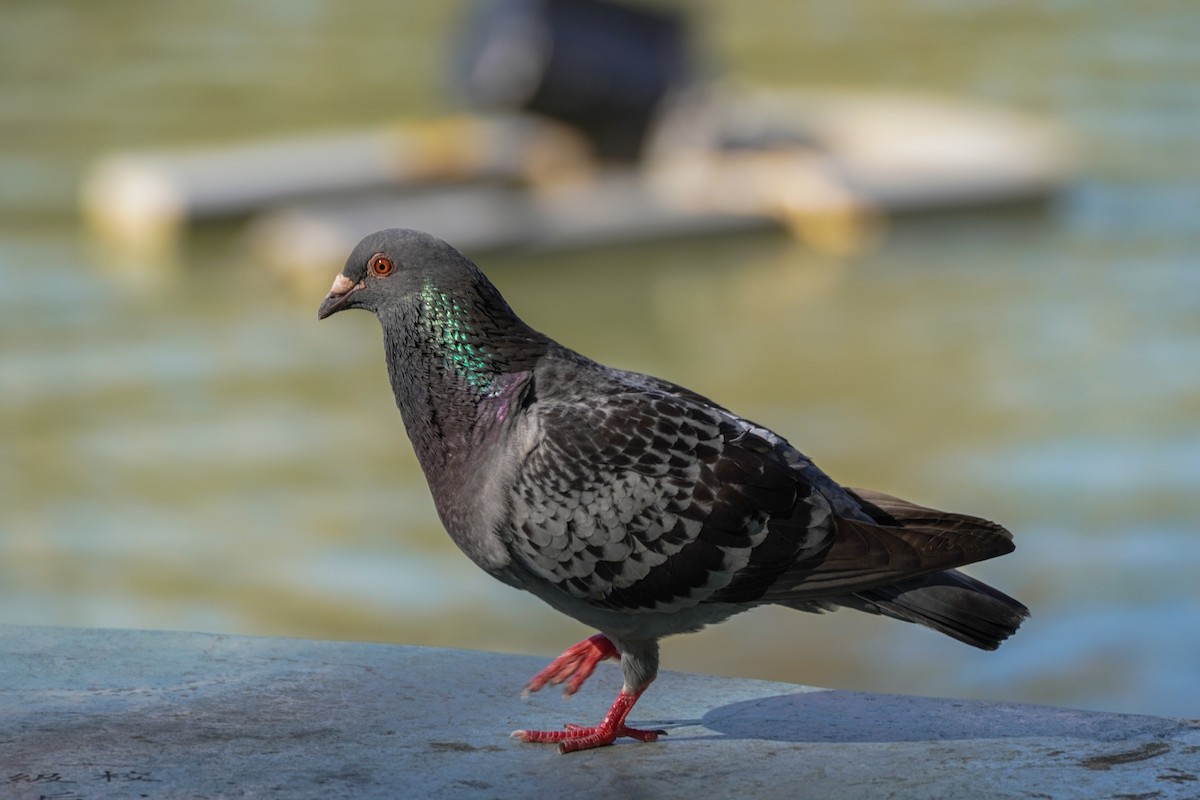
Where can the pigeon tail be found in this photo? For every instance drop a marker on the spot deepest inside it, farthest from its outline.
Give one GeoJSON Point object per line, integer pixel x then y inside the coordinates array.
{"type": "Point", "coordinates": [952, 603]}
{"type": "Point", "coordinates": [909, 542]}
{"type": "Point", "coordinates": [955, 604]}
{"type": "Point", "coordinates": [901, 565]}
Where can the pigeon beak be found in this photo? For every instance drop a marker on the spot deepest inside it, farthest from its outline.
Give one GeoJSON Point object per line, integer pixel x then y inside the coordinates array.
{"type": "Point", "coordinates": [339, 296]}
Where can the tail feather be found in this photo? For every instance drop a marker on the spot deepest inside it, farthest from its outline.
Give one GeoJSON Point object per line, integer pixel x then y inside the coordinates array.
{"type": "Point", "coordinates": [902, 565]}
{"type": "Point", "coordinates": [901, 542]}
{"type": "Point", "coordinates": [949, 602]}
{"type": "Point", "coordinates": [894, 512]}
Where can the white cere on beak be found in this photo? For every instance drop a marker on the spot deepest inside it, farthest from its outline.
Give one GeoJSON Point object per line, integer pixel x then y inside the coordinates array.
{"type": "Point", "coordinates": [342, 284]}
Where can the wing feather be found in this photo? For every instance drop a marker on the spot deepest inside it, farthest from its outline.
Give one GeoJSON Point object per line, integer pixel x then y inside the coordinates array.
{"type": "Point", "coordinates": [673, 496]}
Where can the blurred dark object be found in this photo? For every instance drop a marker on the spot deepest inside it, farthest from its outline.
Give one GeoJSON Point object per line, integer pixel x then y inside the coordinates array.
{"type": "Point", "coordinates": [604, 68]}
{"type": "Point", "coordinates": [596, 127]}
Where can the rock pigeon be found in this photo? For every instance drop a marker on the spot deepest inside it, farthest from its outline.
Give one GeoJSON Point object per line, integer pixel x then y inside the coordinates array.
{"type": "Point", "coordinates": [636, 506]}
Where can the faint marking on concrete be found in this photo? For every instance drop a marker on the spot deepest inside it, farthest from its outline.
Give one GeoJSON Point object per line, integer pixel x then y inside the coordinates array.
{"type": "Point", "coordinates": [1145, 752]}
{"type": "Point", "coordinates": [461, 747]}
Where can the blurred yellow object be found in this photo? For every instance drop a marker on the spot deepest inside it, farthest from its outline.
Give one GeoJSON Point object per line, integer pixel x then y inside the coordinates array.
{"type": "Point", "coordinates": [144, 201]}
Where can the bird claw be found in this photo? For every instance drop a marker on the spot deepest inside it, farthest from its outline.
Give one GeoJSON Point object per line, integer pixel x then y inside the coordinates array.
{"type": "Point", "coordinates": [584, 737]}
{"type": "Point", "coordinates": [611, 728]}
{"type": "Point", "coordinates": [574, 666]}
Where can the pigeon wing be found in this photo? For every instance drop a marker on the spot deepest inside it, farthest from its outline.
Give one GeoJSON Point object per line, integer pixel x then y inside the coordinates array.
{"type": "Point", "coordinates": [645, 500]}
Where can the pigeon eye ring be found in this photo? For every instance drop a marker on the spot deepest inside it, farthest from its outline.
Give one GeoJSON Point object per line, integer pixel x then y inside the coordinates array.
{"type": "Point", "coordinates": [381, 265]}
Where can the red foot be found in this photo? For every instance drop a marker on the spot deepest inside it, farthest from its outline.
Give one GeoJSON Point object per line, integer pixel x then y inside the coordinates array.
{"type": "Point", "coordinates": [579, 737]}
{"type": "Point", "coordinates": [576, 664]}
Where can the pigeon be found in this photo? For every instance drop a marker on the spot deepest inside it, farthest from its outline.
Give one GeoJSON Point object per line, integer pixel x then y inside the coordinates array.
{"type": "Point", "coordinates": [638, 507]}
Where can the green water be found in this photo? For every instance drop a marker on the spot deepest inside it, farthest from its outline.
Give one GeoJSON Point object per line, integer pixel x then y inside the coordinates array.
{"type": "Point", "coordinates": [184, 446]}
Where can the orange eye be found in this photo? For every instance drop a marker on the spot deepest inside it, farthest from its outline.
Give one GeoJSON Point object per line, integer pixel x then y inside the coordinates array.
{"type": "Point", "coordinates": [381, 265]}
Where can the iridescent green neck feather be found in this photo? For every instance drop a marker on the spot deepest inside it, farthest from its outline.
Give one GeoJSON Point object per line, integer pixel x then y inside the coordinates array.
{"type": "Point", "coordinates": [451, 328]}
{"type": "Point", "coordinates": [459, 359]}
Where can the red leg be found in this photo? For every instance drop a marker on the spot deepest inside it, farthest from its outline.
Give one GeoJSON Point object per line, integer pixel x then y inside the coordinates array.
{"type": "Point", "coordinates": [575, 665]}
{"type": "Point", "coordinates": [577, 737]}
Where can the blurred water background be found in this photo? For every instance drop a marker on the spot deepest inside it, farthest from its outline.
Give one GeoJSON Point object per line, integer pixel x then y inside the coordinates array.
{"type": "Point", "coordinates": [184, 446]}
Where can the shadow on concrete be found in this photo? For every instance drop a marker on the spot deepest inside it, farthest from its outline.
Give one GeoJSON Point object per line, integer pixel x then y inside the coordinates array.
{"type": "Point", "coordinates": [836, 716]}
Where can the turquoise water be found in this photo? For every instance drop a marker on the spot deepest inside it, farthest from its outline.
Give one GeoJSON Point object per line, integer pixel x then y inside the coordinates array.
{"type": "Point", "coordinates": [184, 446]}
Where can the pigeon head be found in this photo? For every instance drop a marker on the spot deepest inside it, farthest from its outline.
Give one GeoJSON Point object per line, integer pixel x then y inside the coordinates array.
{"type": "Point", "coordinates": [450, 339]}
{"type": "Point", "coordinates": [389, 270]}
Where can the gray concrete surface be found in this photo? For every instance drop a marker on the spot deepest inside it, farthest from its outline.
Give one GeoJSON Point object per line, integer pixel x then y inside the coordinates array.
{"type": "Point", "coordinates": [139, 714]}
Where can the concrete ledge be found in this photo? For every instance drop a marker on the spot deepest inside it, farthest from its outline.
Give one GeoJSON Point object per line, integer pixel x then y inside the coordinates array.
{"type": "Point", "coordinates": [116, 714]}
